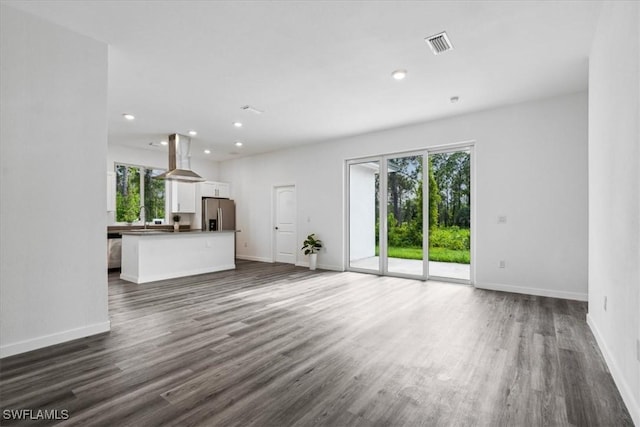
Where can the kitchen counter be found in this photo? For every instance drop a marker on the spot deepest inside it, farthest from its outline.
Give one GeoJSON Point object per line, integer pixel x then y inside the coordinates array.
{"type": "Point", "coordinates": [157, 255]}
{"type": "Point", "coordinates": [119, 229]}
{"type": "Point", "coordinates": [152, 232]}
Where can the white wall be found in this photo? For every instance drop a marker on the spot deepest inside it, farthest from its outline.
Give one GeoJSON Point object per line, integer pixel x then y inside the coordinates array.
{"type": "Point", "coordinates": [531, 165]}
{"type": "Point", "coordinates": [614, 195]}
{"type": "Point", "coordinates": [53, 141]}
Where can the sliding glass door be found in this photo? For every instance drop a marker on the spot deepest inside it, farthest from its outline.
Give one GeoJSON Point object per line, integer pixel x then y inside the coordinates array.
{"type": "Point", "coordinates": [387, 238]}
{"type": "Point", "coordinates": [364, 215]}
{"type": "Point", "coordinates": [450, 215]}
{"type": "Point", "coordinates": [407, 223]}
{"type": "Point", "coordinates": [404, 216]}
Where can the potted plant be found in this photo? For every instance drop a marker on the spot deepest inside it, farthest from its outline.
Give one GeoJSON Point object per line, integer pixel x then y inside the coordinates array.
{"type": "Point", "coordinates": [311, 246]}
{"type": "Point", "coordinates": [176, 223]}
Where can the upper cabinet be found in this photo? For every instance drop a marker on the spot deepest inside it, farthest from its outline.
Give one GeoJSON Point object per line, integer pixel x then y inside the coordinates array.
{"type": "Point", "coordinates": [224, 190]}
{"type": "Point", "coordinates": [111, 191]}
{"type": "Point", "coordinates": [215, 189]}
{"type": "Point", "coordinates": [183, 197]}
{"type": "Point", "coordinates": [208, 189]}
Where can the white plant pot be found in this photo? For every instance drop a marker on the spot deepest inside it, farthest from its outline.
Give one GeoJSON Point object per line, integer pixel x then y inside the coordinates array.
{"type": "Point", "coordinates": [313, 261]}
{"type": "Point", "coordinates": [176, 226]}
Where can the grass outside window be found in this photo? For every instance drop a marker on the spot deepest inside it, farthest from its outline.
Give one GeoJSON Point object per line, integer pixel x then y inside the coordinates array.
{"type": "Point", "coordinates": [435, 254]}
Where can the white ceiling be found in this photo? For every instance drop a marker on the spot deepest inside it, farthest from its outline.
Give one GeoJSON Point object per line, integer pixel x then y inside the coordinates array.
{"type": "Point", "coordinates": [320, 70]}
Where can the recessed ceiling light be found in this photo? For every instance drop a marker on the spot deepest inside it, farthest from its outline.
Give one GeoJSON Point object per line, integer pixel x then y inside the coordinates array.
{"type": "Point", "coordinates": [238, 144]}
{"type": "Point", "coordinates": [237, 124]}
{"type": "Point", "coordinates": [164, 143]}
{"type": "Point", "coordinates": [454, 99]}
{"type": "Point", "coordinates": [399, 74]}
{"type": "Point", "coordinates": [207, 151]}
{"type": "Point", "coordinates": [193, 133]}
{"type": "Point", "coordinates": [129, 116]}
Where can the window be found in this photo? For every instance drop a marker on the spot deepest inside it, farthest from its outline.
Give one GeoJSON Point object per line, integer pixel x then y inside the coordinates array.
{"type": "Point", "coordinates": [139, 196]}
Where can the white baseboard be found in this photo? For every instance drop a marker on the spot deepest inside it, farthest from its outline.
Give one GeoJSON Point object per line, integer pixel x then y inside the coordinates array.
{"type": "Point", "coordinates": [156, 277]}
{"type": "Point", "coordinates": [330, 267]}
{"type": "Point", "coordinates": [52, 339]}
{"type": "Point", "coordinates": [254, 258]}
{"type": "Point", "coordinates": [321, 266]}
{"type": "Point", "coordinates": [128, 278]}
{"type": "Point", "coordinates": [578, 296]}
{"type": "Point", "coordinates": [297, 264]}
{"type": "Point", "coordinates": [623, 386]}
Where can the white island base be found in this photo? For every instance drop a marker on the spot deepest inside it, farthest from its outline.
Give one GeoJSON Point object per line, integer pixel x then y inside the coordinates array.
{"type": "Point", "coordinates": [151, 256]}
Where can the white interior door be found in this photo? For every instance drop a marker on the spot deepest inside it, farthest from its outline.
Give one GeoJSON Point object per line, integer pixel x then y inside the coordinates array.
{"type": "Point", "coordinates": [285, 242]}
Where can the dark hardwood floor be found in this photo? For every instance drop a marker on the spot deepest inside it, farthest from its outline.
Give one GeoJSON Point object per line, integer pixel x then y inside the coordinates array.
{"type": "Point", "coordinates": [276, 345]}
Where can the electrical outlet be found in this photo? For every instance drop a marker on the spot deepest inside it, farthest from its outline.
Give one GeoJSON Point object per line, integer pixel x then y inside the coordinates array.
{"type": "Point", "coordinates": [502, 219]}
{"type": "Point", "coordinates": [502, 263]}
{"type": "Point", "coordinates": [605, 303]}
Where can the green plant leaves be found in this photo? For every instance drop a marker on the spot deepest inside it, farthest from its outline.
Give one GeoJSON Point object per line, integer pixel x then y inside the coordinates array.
{"type": "Point", "coordinates": [311, 245]}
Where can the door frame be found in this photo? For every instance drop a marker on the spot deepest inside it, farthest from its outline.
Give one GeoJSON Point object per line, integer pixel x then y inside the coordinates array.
{"type": "Point", "coordinates": [382, 193]}
{"type": "Point", "coordinates": [274, 207]}
{"type": "Point", "coordinates": [347, 204]}
{"type": "Point", "coordinates": [451, 148]}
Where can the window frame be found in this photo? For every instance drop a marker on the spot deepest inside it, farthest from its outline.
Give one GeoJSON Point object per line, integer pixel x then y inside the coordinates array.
{"type": "Point", "coordinates": [143, 214]}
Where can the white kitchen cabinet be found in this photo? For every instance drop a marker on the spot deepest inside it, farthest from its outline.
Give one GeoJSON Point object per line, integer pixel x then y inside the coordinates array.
{"type": "Point", "coordinates": [208, 189]}
{"type": "Point", "coordinates": [111, 191]}
{"type": "Point", "coordinates": [183, 197]}
{"type": "Point", "coordinates": [215, 189]}
{"type": "Point", "coordinates": [224, 190]}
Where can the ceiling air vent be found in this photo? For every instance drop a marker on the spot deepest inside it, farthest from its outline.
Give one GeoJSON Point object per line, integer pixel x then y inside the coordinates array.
{"type": "Point", "coordinates": [439, 43]}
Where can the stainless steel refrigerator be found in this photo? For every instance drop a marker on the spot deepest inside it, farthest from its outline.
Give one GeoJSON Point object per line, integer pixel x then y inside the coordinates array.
{"type": "Point", "coordinates": [218, 214]}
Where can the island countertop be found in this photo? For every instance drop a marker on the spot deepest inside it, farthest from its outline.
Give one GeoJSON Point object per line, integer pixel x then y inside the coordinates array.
{"type": "Point", "coordinates": [157, 255]}
{"type": "Point", "coordinates": [152, 232]}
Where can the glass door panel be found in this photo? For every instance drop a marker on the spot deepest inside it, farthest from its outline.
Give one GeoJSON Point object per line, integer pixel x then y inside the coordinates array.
{"type": "Point", "coordinates": [364, 217]}
{"type": "Point", "coordinates": [450, 215]}
{"type": "Point", "coordinates": [405, 254]}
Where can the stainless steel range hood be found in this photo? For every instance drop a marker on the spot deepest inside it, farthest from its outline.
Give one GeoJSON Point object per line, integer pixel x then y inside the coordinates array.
{"type": "Point", "coordinates": [180, 160]}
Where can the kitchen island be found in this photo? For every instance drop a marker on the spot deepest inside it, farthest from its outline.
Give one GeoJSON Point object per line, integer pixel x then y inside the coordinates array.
{"type": "Point", "coordinates": [150, 255]}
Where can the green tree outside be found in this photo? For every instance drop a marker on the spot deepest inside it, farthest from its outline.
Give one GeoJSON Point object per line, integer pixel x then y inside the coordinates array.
{"type": "Point", "coordinates": [449, 207]}
{"type": "Point", "coordinates": [129, 191]}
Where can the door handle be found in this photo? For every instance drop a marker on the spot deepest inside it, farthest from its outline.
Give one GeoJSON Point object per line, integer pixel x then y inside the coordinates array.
{"type": "Point", "coordinates": [276, 228]}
